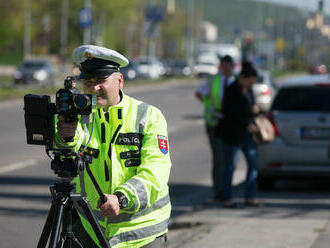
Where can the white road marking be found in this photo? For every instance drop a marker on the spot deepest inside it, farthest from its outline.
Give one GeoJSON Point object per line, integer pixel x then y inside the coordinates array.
{"type": "Point", "coordinates": [19, 165]}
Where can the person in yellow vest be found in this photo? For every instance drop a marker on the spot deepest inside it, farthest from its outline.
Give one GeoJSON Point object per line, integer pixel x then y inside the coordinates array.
{"type": "Point", "coordinates": [133, 163]}
{"type": "Point", "coordinates": [211, 94]}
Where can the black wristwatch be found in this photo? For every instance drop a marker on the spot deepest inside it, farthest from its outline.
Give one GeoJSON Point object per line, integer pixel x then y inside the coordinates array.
{"type": "Point", "coordinates": [123, 201]}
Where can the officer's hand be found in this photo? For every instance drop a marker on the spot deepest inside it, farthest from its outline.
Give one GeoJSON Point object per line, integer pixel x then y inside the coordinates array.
{"type": "Point", "coordinates": [111, 207]}
{"type": "Point", "coordinates": [66, 129]}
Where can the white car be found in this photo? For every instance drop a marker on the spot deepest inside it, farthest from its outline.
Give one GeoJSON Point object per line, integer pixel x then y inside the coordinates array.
{"type": "Point", "coordinates": [150, 68]}
{"type": "Point", "coordinates": [207, 64]}
{"type": "Point", "coordinates": [300, 115]}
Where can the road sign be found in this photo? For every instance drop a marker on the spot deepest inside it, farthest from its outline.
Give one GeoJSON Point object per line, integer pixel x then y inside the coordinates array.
{"type": "Point", "coordinates": [280, 45]}
{"type": "Point", "coordinates": [154, 13]}
{"type": "Point", "coordinates": [85, 17]}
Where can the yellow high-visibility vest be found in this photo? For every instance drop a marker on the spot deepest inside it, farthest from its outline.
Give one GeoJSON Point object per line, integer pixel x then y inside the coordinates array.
{"type": "Point", "coordinates": [134, 160]}
{"type": "Point", "coordinates": [213, 101]}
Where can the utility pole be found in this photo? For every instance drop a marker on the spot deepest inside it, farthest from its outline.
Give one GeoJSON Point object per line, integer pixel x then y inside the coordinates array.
{"type": "Point", "coordinates": [87, 30]}
{"type": "Point", "coordinates": [27, 29]}
{"type": "Point", "coordinates": [64, 32]}
{"type": "Point", "coordinates": [191, 36]}
{"type": "Point", "coordinates": [152, 44]}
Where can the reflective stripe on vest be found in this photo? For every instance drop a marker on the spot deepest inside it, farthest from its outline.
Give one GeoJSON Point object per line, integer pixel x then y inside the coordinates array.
{"type": "Point", "coordinates": [140, 191]}
{"type": "Point", "coordinates": [141, 117]}
{"type": "Point", "coordinates": [162, 202]}
{"type": "Point", "coordinates": [140, 233]}
{"type": "Point", "coordinates": [212, 102]}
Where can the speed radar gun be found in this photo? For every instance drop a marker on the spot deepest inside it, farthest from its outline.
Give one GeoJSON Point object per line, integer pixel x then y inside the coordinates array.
{"type": "Point", "coordinates": [67, 164]}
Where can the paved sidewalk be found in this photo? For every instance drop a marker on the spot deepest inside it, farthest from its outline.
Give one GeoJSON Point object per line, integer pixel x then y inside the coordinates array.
{"type": "Point", "coordinates": [288, 219]}
{"type": "Point", "coordinates": [217, 227]}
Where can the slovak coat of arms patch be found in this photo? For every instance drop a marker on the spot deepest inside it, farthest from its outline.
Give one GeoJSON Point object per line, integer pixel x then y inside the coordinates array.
{"type": "Point", "coordinates": [162, 143]}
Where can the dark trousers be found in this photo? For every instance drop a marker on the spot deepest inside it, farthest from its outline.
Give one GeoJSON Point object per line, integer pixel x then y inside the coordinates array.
{"type": "Point", "coordinates": [217, 160]}
{"type": "Point", "coordinates": [86, 241]}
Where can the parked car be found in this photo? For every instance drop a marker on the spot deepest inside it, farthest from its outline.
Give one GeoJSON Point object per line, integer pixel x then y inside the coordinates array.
{"type": "Point", "coordinates": [207, 64]}
{"type": "Point", "coordinates": [38, 72]}
{"type": "Point", "coordinates": [130, 72]}
{"type": "Point", "coordinates": [300, 115]}
{"type": "Point", "coordinates": [263, 90]}
{"type": "Point", "coordinates": [177, 68]}
{"type": "Point", "coordinates": [149, 67]}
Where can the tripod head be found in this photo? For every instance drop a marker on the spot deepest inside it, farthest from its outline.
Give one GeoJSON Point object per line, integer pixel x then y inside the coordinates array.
{"type": "Point", "coordinates": [67, 164]}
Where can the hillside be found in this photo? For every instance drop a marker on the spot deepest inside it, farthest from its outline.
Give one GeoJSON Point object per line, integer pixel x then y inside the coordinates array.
{"type": "Point", "coordinates": [244, 15]}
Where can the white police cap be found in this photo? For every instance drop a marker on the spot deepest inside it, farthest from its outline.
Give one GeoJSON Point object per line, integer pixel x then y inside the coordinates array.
{"type": "Point", "coordinates": [82, 53]}
{"type": "Point", "coordinates": [97, 62]}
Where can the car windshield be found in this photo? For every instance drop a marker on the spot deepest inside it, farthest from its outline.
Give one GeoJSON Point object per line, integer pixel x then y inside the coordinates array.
{"type": "Point", "coordinates": [33, 65]}
{"type": "Point", "coordinates": [311, 98]}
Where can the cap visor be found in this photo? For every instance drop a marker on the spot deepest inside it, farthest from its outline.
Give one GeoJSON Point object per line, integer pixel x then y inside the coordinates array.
{"type": "Point", "coordinates": [96, 74]}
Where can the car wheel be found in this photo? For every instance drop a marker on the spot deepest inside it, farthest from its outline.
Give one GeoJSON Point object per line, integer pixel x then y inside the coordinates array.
{"type": "Point", "coordinates": [266, 183]}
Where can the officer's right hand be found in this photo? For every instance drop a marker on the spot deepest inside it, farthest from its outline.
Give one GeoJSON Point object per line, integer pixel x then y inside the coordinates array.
{"type": "Point", "coordinates": [66, 129]}
{"type": "Point", "coordinates": [111, 207]}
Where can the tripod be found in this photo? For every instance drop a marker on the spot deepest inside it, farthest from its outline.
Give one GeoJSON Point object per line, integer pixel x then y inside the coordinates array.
{"type": "Point", "coordinates": [61, 212]}
{"type": "Point", "coordinates": [64, 200]}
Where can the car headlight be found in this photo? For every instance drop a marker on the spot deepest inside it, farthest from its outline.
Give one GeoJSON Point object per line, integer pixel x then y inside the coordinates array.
{"type": "Point", "coordinates": [40, 75]}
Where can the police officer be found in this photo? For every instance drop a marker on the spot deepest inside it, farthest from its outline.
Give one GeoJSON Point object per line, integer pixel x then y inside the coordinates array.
{"type": "Point", "coordinates": [133, 163]}
{"type": "Point", "coordinates": [211, 94]}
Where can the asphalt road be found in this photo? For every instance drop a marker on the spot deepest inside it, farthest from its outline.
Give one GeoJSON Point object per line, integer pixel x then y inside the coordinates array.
{"type": "Point", "coordinates": [25, 172]}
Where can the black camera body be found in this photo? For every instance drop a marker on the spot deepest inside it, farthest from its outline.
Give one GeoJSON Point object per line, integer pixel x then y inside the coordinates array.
{"type": "Point", "coordinates": [70, 103]}
{"type": "Point", "coordinates": [40, 112]}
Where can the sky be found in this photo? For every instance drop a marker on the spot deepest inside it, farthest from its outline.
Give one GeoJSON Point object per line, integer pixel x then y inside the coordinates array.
{"type": "Point", "coordinates": [311, 5]}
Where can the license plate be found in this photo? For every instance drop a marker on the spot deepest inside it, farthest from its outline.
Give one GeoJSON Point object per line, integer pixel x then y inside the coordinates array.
{"type": "Point", "coordinates": [315, 133]}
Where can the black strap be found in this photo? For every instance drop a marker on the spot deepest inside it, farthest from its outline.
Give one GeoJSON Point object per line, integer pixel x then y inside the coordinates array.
{"type": "Point", "coordinates": [119, 114]}
{"type": "Point", "coordinates": [113, 139]}
{"type": "Point", "coordinates": [106, 115]}
{"type": "Point", "coordinates": [103, 132]}
{"type": "Point", "coordinates": [106, 171]}
{"type": "Point", "coordinates": [130, 154]}
{"type": "Point", "coordinates": [132, 162]}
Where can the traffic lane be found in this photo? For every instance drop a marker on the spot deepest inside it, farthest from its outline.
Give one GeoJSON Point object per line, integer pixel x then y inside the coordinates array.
{"type": "Point", "coordinates": [24, 203]}
{"type": "Point", "coordinates": [13, 135]}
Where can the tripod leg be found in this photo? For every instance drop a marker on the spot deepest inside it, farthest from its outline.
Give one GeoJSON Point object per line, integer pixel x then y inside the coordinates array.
{"type": "Point", "coordinates": [92, 220]}
{"type": "Point", "coordinates": [68, 239]}
{"type": "Point", "coordinates": [56, 225]}
{"type": "Point", "coordinates": [62, 244]}
{"type": "Point", "coordinates": [47, 227]}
